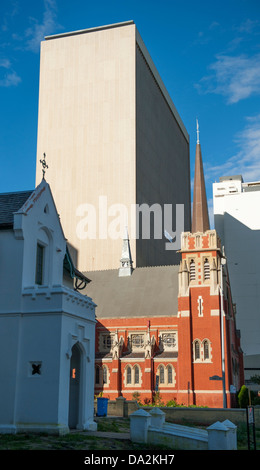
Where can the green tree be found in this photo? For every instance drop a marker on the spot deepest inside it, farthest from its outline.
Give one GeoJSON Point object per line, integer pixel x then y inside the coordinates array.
{"type": "Point", "coordinates": [255, 379]}
{"type": "Point", "coordinates": [243, 398]}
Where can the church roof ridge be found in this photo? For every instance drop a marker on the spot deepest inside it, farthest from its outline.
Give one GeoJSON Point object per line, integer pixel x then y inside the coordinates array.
{"type": "Point", "coordinates": [134, 269]}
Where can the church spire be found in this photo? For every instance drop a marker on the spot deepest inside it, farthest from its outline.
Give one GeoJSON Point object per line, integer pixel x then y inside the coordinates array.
{"type": "Point", "coordinates": [126, 263]}
{"type": "Point", "coordinates": [200, 217]}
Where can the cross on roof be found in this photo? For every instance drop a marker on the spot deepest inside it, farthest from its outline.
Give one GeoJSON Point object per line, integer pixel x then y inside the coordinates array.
{"type": "Point", "coordinates": [44, 165]}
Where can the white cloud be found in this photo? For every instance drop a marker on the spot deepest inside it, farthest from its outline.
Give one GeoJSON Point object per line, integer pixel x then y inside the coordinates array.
{"type": "Point", "coordinates": [12, 10]}
{"type": "Point", "coordinates": [36, 33]}
{"type": "Point", "coordinates": [10, 77]}
{"type": "Point", "coordinates": [246, 161]}
{"type": "Point", "coordinates": [235, 77]}
{"type": "Point", "coordinates": [5, 63]}
{"type": "Point", "coordinates": [248, 26]}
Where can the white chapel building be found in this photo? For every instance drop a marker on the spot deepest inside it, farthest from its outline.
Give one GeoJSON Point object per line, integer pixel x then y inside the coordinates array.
{"type": "Point", "coordinates": [47, 327]}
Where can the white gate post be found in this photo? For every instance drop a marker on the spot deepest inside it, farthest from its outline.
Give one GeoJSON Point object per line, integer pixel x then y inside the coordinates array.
{"type": "Point", "coordinates": [232, 435]}
{"type": "Point", "coordinates": [140, 420]}
{"type": "Point", "coordinates": [218, 435]}
{"type": "Point", "coordinates": [158, 418]}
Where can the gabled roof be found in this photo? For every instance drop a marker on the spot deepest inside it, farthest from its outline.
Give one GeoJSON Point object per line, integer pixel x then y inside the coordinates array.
{"type": "Point", "coordinates": [9, 204]}
{"type": "Point", "coordinates": [148, 292]}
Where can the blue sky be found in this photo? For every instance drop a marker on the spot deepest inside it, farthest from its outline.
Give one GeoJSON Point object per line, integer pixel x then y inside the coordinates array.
{"type": "Point", "coordinates": [207, 53]}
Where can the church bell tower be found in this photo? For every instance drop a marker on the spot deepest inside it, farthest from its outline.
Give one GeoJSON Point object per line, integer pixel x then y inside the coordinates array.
{"type": "Point", "coordinates": [204, 308]}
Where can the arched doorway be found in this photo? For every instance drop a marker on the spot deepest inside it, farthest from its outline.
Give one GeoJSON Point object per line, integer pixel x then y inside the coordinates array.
{"type": "Point", "coordinates": [74, 396]}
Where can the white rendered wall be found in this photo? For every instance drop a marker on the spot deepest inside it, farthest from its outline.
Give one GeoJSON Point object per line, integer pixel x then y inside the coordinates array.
{"type": "Point", "coordinates": [237, 221]}
{"type": "Point", "coordinates": [41, 402]}
{"type": "Point", "coordinates": [39, 324]}
{"type": "Point", "coordinates": [86, 127]}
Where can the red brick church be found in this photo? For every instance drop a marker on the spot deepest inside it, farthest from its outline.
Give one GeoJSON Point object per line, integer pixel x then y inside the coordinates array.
{"type": "Point", "coordinates": [170, 330]}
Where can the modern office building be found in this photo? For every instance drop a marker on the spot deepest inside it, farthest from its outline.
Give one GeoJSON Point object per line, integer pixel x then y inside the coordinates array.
{"type": "Point", "coordinates": [116, 148]}
{"type": "Point", "coordinates": [237, 221]}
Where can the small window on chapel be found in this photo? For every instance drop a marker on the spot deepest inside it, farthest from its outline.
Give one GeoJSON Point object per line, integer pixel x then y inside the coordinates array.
{"type": "Point", "coordinates": [35, 369]}
{"type": "Point", "coordinates": [39, 264]}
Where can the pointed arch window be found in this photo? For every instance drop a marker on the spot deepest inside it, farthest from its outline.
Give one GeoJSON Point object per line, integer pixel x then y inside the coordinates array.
{"type": "Point", "coordinates": [161, 374]}
{"type": "Point", "coordinates": [206, 269]}
{"type": "Point", "coordinates": [169, 370]}
{"type": "Point", "coordinates": [43, 257]}
{"type": "Point", "coordinates": [128, 375]}
{"type": "Point", "coordinates": [192, 270]}
{"type": "Point", "coordinates": [39, 264]}
{"type": "Point", "coordinates": [202, 351]}
{"type": "Point", "coordinates": [104, 375]}
{"type": "Point", "coordinates": [136, 375]}
{"type": "Point", "coordinates": [197, 350]}
{"type": "Point", "coordinates": [132, 376]}
{"type": "Point", "coordinates": [166, 375]}
{"type": "Point", "coordinates": [101, 376]}
{"type": "Point", "coordinates": [206, 350]}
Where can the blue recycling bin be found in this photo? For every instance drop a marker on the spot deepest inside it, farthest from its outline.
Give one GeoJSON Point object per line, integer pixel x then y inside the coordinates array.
{"type": "Point", "coordinates": [102, 406]}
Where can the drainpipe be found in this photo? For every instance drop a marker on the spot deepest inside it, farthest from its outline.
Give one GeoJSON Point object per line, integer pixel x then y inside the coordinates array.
{"type": "Point", "coordinates": [222, 263]}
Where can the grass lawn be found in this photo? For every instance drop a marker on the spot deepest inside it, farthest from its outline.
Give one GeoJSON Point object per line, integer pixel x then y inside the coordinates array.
{"type": "Point", "coordinates": [83, 441]}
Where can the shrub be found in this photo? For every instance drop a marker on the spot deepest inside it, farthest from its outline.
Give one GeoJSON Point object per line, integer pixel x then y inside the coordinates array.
{"type": "Point", "coordinates": [147, 401]}
{"type": "Point", "coordinates": [172, 403]}
{"type": "Point", "coordinates": [136, 396]}
{"type": "Point", "coordinates": [256, 401]}
{"type": "Point", "coordinates": [157, 399]}
{"type": "Point", "coordinates": [255, 379]}
{"type": "Point", "coordinates": [243, 398]}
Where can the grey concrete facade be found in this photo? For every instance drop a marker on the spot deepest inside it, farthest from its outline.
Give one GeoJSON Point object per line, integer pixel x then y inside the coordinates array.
{"type": "Point", "coordinates": [162, 159]}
